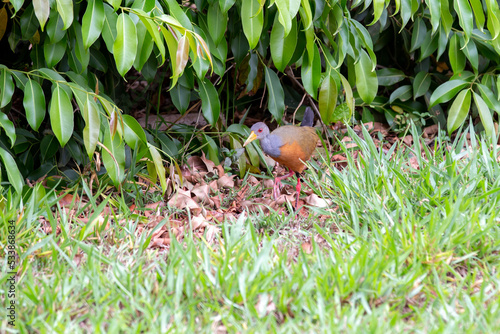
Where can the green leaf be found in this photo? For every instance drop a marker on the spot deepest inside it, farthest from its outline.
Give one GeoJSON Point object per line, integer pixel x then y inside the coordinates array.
{"type": "Point", "coordinates": [181, 97]}
{"type": "Point", "coordinates": [155, 35]}
{"type": "Point", "coordinates": [55, 27]}
{"type": "Point", "coordinates": [342, 113]}
{"type": "Point", "coordinates": [447, 19]}
{"type": "Point", "coordinates": [458, 110]}
{"type": "Point", "coordinates": [54, 52]}
{"type": "Point", "coordinates": [378, 8]}
{"type": "Point", "coordinates": [8, 127]}
{"type": "Point", "coordinates": [79, 54]}
{"type": "Point", "coordinates": [349, 97]}
{"type": "Point", "coordinates": [429, 45]}
{"type": "Point", "coordinates": [91, 116]}
{"type": "Point", "coordinates": [252, 19]}
{"type": "Point", "coordinates": [210, 104]}
{"type": "Point", "coordinates": [178, 13]}
{"type": "Point", "coordinates": [489, 97]}
{"type": "Point", "coordinates": [65, 9]}
{"type": "Point", "coordinates": [366, 78]}
{"type": "Point", "coordinates": [435, 11]}
{"type": "Point", "coordinates": [477, 7]}
{"type": "Point", "coordinates": [225, 5]}
{"type": "Point", "coordinates": [311, 72]}
{"type": "Point", "coordinates": [403, 93]}
{"type": "Point", "coordinates": [284, 15]}
{"type": "Point", "coordinates": [327, 100]}
{"type": "Point", "coordinates": [160, 169]}
{"type": "Point", "coordinates": [465, 18]}
{"type": "Point", "coordinates": [133, 132]}
{"type": "Point", "coordinates": [145, 46]}
{"type": "Point", "coordinates": [217, 22]}
{"type": "Point", "coordinates": [109, 27]}
{"type": "Point", "coordinates": [113, 157]}
{"type": "Point", "coordinates": [456, 56]}
{"type": "Point", "coordinates": [42, 11]}
{"type": "Point", "coordinates": [421, 84]}
{"type": "Point", "coordinates": [446, 91]}
{"type": "Point", "coordinates": [276, 102]}
{"type": "Point", "coordinates": [282, 48]}
{"type": "Point", "coordinates": [389, 76]}
{"type": "Point", "coordinates": [418, 34]}
{"type": "Point", "coordinates": [93, 22]}
{"type": "Point", "coordinates": [470, 51]}
{"type": "Point", "coordinates": [34, 104]}
{"type": "Point", "coordinates": [485, 115]}
{"type": "Point", "coordinates": [13, 174]}
{"type": "Point", "coordinates": [29, 23]}
{"type": "Point", "coordinates": [115, 4]}
{"type": "Point", "coordinates": [125, 45]}
{"type": "Point", "coordinates": [61, 115]}
{"type": "Point", "coordinates": [6, 87]}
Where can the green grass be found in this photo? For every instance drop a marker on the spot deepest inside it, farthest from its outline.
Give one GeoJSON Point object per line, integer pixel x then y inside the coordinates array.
{"type": "Point", "coordinates": [405, 249]}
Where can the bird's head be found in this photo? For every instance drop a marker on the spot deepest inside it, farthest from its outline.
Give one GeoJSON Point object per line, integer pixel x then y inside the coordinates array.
{"type": "Point", "coordinates": [259, 131]}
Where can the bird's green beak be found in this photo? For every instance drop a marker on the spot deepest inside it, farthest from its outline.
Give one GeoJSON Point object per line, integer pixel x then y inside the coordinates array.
{"type": "Point", "coordinates": [250, 139]}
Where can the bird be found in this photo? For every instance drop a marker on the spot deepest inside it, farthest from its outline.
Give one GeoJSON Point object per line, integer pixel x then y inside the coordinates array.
{"type": "Point", "coordinates": [288, 145]}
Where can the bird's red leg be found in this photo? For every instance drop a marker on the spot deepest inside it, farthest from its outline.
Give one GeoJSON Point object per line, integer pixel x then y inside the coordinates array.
{"type": "Point", "coordinates": [277, 183]}
{"type": "Point", "coordinates": [298, 193]}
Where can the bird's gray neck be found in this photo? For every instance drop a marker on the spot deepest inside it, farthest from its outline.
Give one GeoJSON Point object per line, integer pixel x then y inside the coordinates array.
{"type": "Point", "coordinates": [271, 145]}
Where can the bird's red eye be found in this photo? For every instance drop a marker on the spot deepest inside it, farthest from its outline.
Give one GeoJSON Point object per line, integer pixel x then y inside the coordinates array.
{"type": "Point", "coordinates": [260, 130]}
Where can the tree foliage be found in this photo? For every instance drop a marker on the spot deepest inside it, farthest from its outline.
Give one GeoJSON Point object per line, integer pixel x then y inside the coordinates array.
{"type": "Point", "coordinates": [426, 61]}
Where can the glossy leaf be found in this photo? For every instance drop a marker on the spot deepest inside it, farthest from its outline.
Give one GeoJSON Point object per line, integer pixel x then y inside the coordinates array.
{"type": "Point", "coordinates": [459, 110]}
{"type": "Point", "coordinates": [54, 52]}
{"type": "Point", "coordinates": [42, 11]}
{"type": "Point", "coordinates": [435, 11]}
{"type": "Point", "coordinates": [34, 104]}
{"type": "Point", "coordinates": [160, 169]}
{"type": "Point", "coordinates": [311, 73]}
{"type": "Point", "coordinates": [113, 157]}
{"type": "Point", "coordinates": [276, 102]}
{"type": "Point", "coordinates": [349, 96]}
{"type": "Point", "coordinates": [55, 28]}
{"type": "Point", "coordinates": [252, 19]}
{"type": "Point", "coordinates": [133, 132]}
{"type": "Point", "coordinates": [327, 100]}
{"type": "Point", "coordinates": [217, 22]}
{"type": "Point", "coordinates": [403, 93]}
{"type": "Point", "coordinates": [155, 35]}
{"type": "Point", "coordinates": [465, 18]}
{"type": "Point", "coordinates": [418, 34]}
{"type": "Point", "coordinates": [6, 87]}
{"type": "Point", "coordinates": [109, 27]}
{"type": "Point", "coordinates": [13, 174]}
{"type": "Point", "coordinates": [477, 8]}
{"type": "Point", "coordinates": [485, 115]}
{"type": "Point", "coordinates": [283, 15]}
{"type": "Point", "coordinates": [79, 54]}
{"type": "Point", "coordinates": [488, 97]}
{"type": "Point", "coordinates": [8, 127]}
{"type": "Point", "coordinates": [210, 104]}
{"type": "Point", "coordinates": [176, 10]}
{"type": "Point", "coordinates": [456, 56]}
{"type": "Point", "coordinates": [61, 115]}
{"type": "Point", "coordinates": [181, 97]}
{"type": "Point", "coordinates": [378, 8]}
{"type": "Point", "coordinates": [429, 45]}
{"type": "Point", "coordinates": [447, 91]}
{"type": "Point", "coordinates": [92, 22]}
{"type": "Point", "coordinates": [145, 46]}
{"type": "Point", "coordinates": [65, 9]}
{"type": "Point", "coordinates": [470, 51]}
{"type": "Point", "coordinates": [389, 76]}
{"type": "Point", "coordinates": [91, 116]}
{"type": "Point", "coordinates": [282, 48]}
{"type": "Point", "coordinates": [225, 5]}
{"type": "Point", "coordinates": [366, 78]}
{"type": "Point", "coordinates": [28, 22]}
{"type": "Point", "coordinates": [172, 51]}
{"type": "Point", "coordinates": [421, 84]}
{"type": "Point", "coordinates": [125, 45]}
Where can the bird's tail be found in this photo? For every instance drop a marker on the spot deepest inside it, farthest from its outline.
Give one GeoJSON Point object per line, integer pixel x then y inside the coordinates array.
{"type": "Point", "coordinates": [308, 119]}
